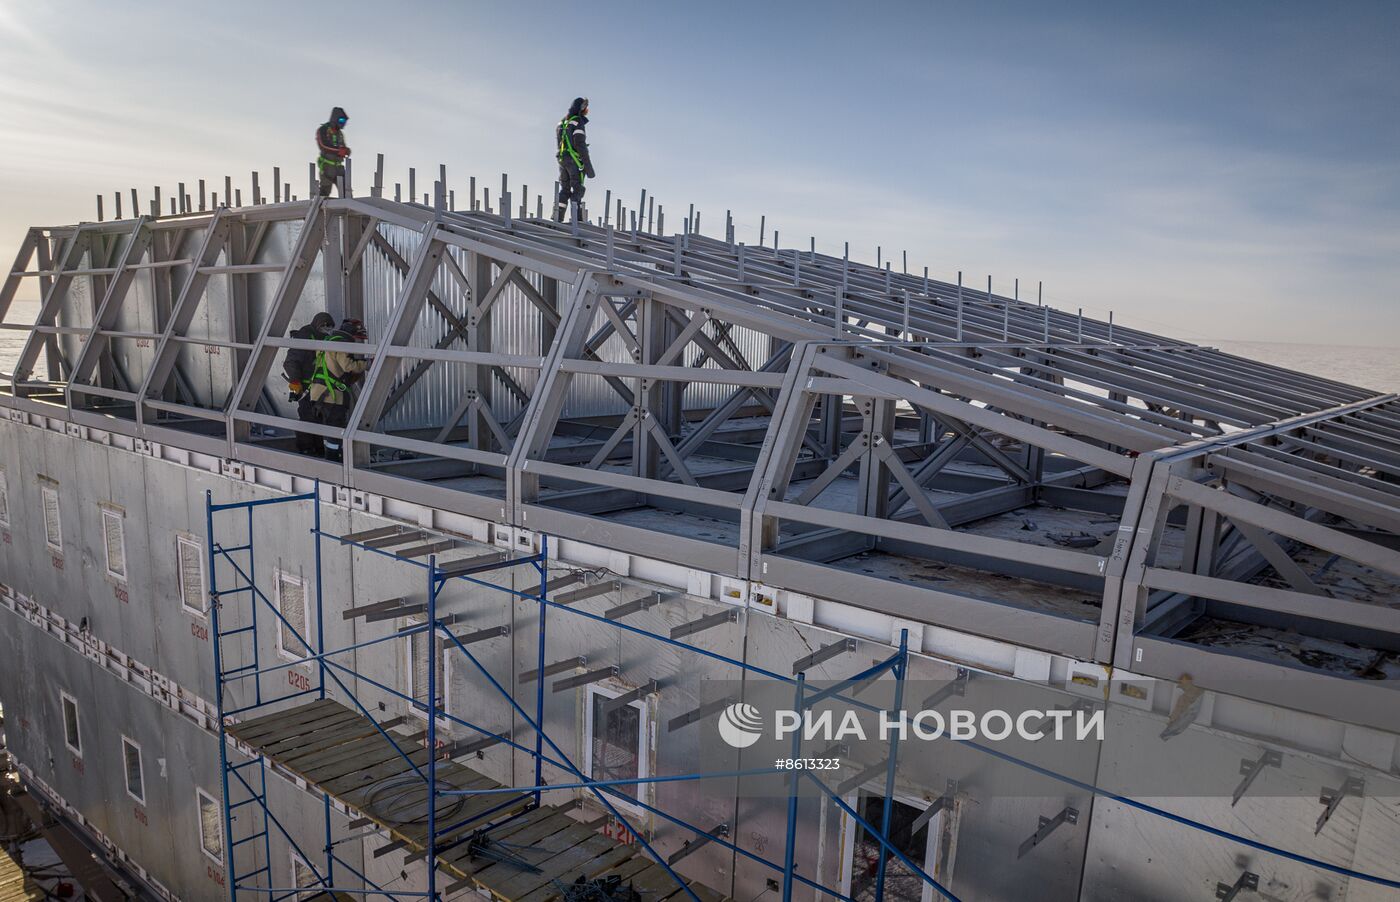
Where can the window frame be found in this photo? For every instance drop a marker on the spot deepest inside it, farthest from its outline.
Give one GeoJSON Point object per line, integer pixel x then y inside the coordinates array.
{"type": "Point", "coordinates": [198, 546]}
{"type": "Point", "coordinates": [64, 701]}
{"type": "Point", "coordinates": [644, 726]}
{"type": "Point", "coordinates": [199, 796]}
{"type": "Point", "coordinates": [315, 888]}
{"type": "Point", "coordinates": [119, 517]}
{"type": "Point", "coordinates": [127, 741]}
{"type": "Point", "coordinates": [45, 487]}
{"type": "Point", "coordinates": [281, 576]}
{"type": "Point", "coordinates": [5, 497]}
{"type": "Point", "coordinates": [419, 620]}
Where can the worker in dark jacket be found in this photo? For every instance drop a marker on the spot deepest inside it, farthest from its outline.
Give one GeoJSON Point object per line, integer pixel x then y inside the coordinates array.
{"type": "Point", "coordinates": [336, 371]}
{"type": "Point", "coordinates": [298, 366]}
{"type": "Point", "coordinates": [330, 143]}
{"type": "Point", "coordinates": [572, 153]}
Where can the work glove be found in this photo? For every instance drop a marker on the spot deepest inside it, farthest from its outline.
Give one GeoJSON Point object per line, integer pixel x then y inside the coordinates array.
{"type": "Point", "coordinates": [344, 152]}
{"type": "Point", "coordinates": [589, 171]}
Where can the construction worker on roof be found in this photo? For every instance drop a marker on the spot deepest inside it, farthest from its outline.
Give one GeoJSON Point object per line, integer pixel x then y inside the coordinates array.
{"type": "Point", "coordinates": [298, 367]}
{"type": "Point", "coordinates": [574, 163]}
{"type": "Point", "coordinates": [335, 372]}
{"type": "Point", "coordinates": [330, 141]}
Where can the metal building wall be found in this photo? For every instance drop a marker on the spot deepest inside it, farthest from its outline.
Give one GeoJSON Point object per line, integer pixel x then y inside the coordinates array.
{"type": "Point", "coordinates": [1113, 852]}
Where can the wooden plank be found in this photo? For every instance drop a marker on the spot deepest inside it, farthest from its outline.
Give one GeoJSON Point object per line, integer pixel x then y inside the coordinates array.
{"type": "Point", "coordinates": [550, 820]}
{"type": "Point", "coordinates": [557, 866]}
{"type": "Point", "coordinates": [609, 858]}
{"type": "Point", "coordinates": [322, 738]}
{"type": "Point", "coordinates": [251, 729]}
{"type": "Point", "coordinates": [353, 787]}
{"type": "Point", "coordinates": [301, 726]}
{"type": "Point", "coordinates": [346, 759]}
{"type": "Point", "coordinates": [310, 757]}
{"type": "Point", "coordinates": [538, 854]}
{"type": "Point", "coordinates": [654, 883]}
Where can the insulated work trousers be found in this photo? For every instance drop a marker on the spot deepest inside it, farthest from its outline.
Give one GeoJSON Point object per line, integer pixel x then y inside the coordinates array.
{"type": "Point", "coordinates": [570, 189]}
{"type": "Point", "coordinates": [308, 443]}
{"type": "Point", "coordinates": [332, 175]}
{"type": "Point", "coordinates": [336, 416]}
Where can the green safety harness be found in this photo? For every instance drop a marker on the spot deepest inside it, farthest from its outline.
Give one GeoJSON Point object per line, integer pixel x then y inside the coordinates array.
{"type": "Point", "coordinates": [566, 144]}
{"type": "Point", "coordinates": [336, 139]}
{"type": "Point", "coordinates": [322, 373]}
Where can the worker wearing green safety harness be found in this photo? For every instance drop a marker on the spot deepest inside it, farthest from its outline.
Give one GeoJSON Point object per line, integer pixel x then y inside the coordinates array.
{"type": "Point", "coordinates": [330, 142]}
{"type": "Point", "coordinates": [574, 163]}
{"type": "Point", "coordinates": [335, 371]}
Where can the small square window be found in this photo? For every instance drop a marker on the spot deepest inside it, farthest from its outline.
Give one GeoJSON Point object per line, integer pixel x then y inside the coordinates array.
{"type": "Point", "coordinates": [291, 604]}
{"type": "Point", "coordinates": [616, 739]}
{"type": "Point", "coordinates": [211, 826]}
{"type": "Point", "coordinates": [189, 560]}
{"type": "Point", "coordinates": [71, 735]}
{"type": "Point", "coordinates": [135, 776]}
{"type": "Point", "coordinates": [114, 542]}
{"type": "Point", "coordinates": [53, 526]}
{"type": "Point", "coordinates": [304, 875]}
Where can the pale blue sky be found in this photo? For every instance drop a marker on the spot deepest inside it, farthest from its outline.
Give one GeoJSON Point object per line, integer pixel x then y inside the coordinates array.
{"type": "Point", "coordinates": [1209, 170]}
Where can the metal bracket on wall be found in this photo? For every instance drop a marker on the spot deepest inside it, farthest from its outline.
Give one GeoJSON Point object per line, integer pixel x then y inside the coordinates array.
{"type": "Point", "coordinates": [825, 653]}
{"type": "Point", "coordinates": [555, 668]}
{"type": "Point", "coordinates": [704, 623]}
{"type": "Point", "coordinates": [459, 749]}
{"type": "Point", "coordinates": [602, 588]}
{"type": "Point", "coordinates": [490, 632]}
{"type": "Point", "coordinates": [1251, 770]}
{"type": "Point", "coordinates": [632, 607]}
{"type": "Point", "coordinates": [958, 687]}
{"type": "Point", "coordinates": [378, 606]}
{"type": "Point", "coordinates": [1227, 892]}
{"type": "Point", "coordinates": [942, 803]}
{"type": "Point", "coordinates": [700, 713]}
{"type": "Point", "coordinates": [650, 687]}
{"type": "Point", "coordinates": [1332, 798]}
{"type": "Point", "coordinates": [1047, 826]}
{"type": "Point", "coordinates": [583, 679]}
{"type": "Point", "coordinates": [694, 845]}
{"type": "Point", "coordinates": [469, 565]}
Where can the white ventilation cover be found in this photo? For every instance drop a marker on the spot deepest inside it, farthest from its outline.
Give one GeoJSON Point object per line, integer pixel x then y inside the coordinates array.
{"type": "Point", "coordinates": [114, 540]}
{"type": "Point", "coordinates": [53, 528]}
{"type": "Point", "coordinates": [191, 564]}
{"type": "Point", "coordinates": [291, 602]}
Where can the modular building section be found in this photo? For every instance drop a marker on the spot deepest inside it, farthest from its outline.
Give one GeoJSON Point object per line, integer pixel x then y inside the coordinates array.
{"type": "Point", "coordinates": [750, 457]}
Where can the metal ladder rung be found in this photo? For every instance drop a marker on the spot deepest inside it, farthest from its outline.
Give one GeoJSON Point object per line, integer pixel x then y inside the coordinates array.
{"type": "Point", "coordinates": [238, 842]}
{"type": "Point", "coordinates": [242, 669]}
{"type": "Point", "coordinates": [236, 805]}
{"type": "Point", "coordinates": [241, 629]}
{"type": "Point", "coordinates": [261, 870]}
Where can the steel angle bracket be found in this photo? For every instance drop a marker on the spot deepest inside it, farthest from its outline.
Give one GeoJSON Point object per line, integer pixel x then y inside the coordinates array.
{"type": "Point", "coordinates": [1226, 892]}
{"type": "Point", "coordinates": [825, 653]}
{"type": "Point", "coordinates": [1250, 769]}
{"type": "Point", "coordinates": [1047, 826]}
{"type": "Point", "coordinates": [1332, 799]}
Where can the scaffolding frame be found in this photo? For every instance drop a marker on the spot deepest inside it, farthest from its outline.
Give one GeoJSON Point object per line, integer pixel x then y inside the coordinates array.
{"type": "Point", "coordinates": [433, 625]}
{"type": "Point", "coordinates": [805, 698]}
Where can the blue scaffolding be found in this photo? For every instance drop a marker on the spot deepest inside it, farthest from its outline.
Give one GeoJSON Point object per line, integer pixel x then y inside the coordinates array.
{"type": "Point", "coordinates": [333, 874]}
{"type": "Point", "coordinates": [240, 559]}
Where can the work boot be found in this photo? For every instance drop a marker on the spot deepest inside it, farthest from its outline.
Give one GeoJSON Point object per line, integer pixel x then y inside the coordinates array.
{"type": "Point", "coordinates": [559, 212]}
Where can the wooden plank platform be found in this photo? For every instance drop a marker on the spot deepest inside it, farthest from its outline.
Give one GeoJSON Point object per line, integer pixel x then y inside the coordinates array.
{"type": "Point", "coordinates": [341, 751]}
